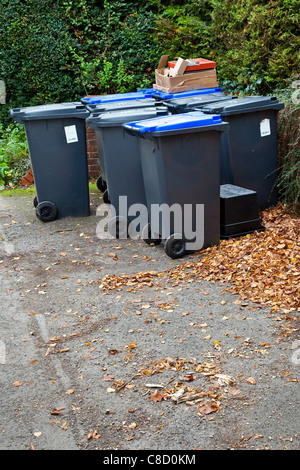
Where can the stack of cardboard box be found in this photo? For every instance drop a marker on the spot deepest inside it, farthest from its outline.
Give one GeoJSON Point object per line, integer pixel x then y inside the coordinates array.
{"type": "Point", "coordinates": [185, 75]}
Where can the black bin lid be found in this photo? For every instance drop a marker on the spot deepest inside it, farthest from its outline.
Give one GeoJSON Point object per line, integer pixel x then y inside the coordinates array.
{"type": "Point", "coordinates": [119, 105]}
{"type": "Point", "coordinates": [243, 105]}
{"type": "Point", "coordinates": [119, 117]}
{"type": "Point", "coordinates": [195, 101]}
{"type": "Point", "coordinates": [73, 109]}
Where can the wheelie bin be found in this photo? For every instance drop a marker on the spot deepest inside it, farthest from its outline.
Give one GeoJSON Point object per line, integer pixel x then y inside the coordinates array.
{"type": "Point", "coordinates": [162, 96]}
{"type": "Point", "coordinates": [56, 136]}
{"type": "Point", "coordinates": [114, 105]}
{"type": "Point", "coordinates": [190, 103]}
{"type": "Point", "coordinates": [249, 146]}
{"type": "Point", "coordinates": [180, 158]}
{"type": "Point", "coordinates": [122, 162]}
{"type": "Point", "coordinates": [110, 98]}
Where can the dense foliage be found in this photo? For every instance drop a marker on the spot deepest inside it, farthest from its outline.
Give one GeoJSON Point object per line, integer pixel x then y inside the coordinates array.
{"type": "Point", "coordinates": [54, 51]}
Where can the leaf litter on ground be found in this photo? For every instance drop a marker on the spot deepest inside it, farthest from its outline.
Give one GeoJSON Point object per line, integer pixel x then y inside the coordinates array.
{"type": "Point", "coordinates": [262, 267]}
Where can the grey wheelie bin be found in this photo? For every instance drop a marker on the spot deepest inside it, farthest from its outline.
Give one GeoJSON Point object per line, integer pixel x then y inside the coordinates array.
{"type": "Point", "coordinates": [180, 157]}
{"type": "Point", "coordinates": [110, 98]}
{"type": "Point", "coordinates": [122, 162]}
{"type": "Point", "coordinates": [249, 147]}
{"type": "Point", "coordinates": [189, 103]}
{"type": "Point", "coordinates": [162, 96]}
{"type": "Point", "coordinates": [114, 105]}
{"type": "Point", "coordinates": [56, 139]}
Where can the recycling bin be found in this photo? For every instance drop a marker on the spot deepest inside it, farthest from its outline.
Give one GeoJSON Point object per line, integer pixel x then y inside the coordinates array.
{"type": "Point", "coordinates": [162, 96]}
{"type": "Point", "coordinates": [122, 161]}
{"type": "Point", "coordinates": [249, 146]}
{"type": "Point", "coordinates": [180, 158]}
{"type": "Point", "coordinates": [192, 102]}
{"type": "Point", "coordinates": [239, 211]}
{"type": "Point", "coordinates": [56, 136]}
{"type": "Point", "coordinates": [114, 105]}
{"type": "Point", "coordinates": [122, 104]}
{"type": "Point", "coordinates": [110, 98]}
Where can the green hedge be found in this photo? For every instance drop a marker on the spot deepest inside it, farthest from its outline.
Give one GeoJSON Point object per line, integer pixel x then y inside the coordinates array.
{"type": "Point", "coordinates": [54, 51]}
{"type": "Point", "coordinates": [63, 50]}
{"type": "Point", "coordinates": [255, 44]}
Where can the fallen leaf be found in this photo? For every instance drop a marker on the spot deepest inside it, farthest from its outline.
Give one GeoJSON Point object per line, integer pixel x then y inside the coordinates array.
{"type": "Point", "coordinates": [251, 380]}
{"type": "Point", "coordinates": [189, 378]}
{"type": "Point", "coordinates": [132, 426]}
{"type": "Point", "coordinates": [157, 396]}
{"type": "Point", "coordinates": [17, 384]}
{"type": "Point", "coordinates": [93, 435]}
{"type": "Point", "coordinates": [108, 378]}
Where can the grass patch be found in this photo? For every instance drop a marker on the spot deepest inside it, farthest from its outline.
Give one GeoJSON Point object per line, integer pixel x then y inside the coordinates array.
{"type": "Point", "coordinates": [30, 190]}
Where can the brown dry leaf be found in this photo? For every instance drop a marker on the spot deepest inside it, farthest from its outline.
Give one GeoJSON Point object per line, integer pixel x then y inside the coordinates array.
{"type": "Point", "coordinates": [93, 435]}
{"type": "Point", "coordinates": [64, 426]}
{"type": "Point", "coordinates": [131, 345]}
{"type": "Point", "coordinates": [132, 426]}
{"type": "Point", "coordinates": [18, 383]}
{"type": "Point", "coordinates": [204, 409]}
{"type": "Point", "coordinates": [157, 396]}
{"type": "Point", "coordinates": [251, 380]}
{"type": "Point", "coordinates": [189, 378]}
{"type": "Point", "coordinates": [262, 267]}
{"type": "Point", "coordinates": [64, 350]}
{"type": "Point", "coordinates": [108, 378]}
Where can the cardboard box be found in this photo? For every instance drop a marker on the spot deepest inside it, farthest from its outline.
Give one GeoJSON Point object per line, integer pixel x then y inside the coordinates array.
{"type": "Point", "coordinates": [176, 79]}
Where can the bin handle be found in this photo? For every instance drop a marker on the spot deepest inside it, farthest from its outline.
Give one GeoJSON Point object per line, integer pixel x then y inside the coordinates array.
{"type": "Point", "coordinates": [132, 130]}
{"type": "Point", "coordinates": [14, 111]}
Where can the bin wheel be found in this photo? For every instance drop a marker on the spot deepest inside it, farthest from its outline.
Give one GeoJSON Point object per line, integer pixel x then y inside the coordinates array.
{"type": "Point", "coordinates": [175, 246]}
{"type": "Point", "coordinates": [46, 211]}
{"type": "Point", "coordinates": [106, 198]}
{"type": "Point", "coordinates": [146, 236]}
{"type": "Point", "coordinates": [35, 201]}
{"type": "Point", "coordinates": [118, 227]}
{"type": "Point", "coordinates": [101, 184]}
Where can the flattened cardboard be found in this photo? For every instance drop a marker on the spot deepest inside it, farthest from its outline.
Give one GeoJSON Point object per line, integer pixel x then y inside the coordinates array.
{"type": "Point", "coordinates": [185, 82]}
{"type": "Point", "coordinates": [179, 68]}
{"type": "Point", "coordinates": [163, 61]}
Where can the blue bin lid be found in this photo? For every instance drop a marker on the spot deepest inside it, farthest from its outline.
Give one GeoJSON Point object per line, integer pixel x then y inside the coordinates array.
{"type": "Point", "coordinates": [165, 96]}
{"type": "Point", "coordinates": [126, 104]}
{"type": "Point", "coordinates": [175, 122]}
{"type": "Point", "coordinates": [148, 91]}
{"type": "Point", "coordinates": [135, 95]}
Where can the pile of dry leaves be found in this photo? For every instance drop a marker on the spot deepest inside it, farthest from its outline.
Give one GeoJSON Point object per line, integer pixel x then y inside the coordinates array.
{"type": "Point", "coordinates": [263, 267]}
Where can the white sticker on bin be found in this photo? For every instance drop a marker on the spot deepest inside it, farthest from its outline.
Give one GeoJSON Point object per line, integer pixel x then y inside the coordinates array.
{"type": "Point", "coordinates": [71, 134]}
{"type": "Point", "coordinates": [265, 128]}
